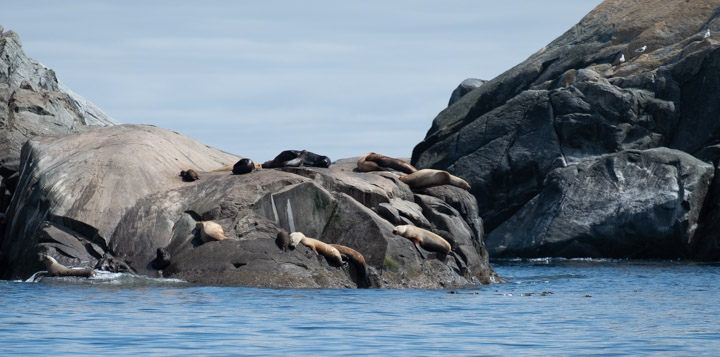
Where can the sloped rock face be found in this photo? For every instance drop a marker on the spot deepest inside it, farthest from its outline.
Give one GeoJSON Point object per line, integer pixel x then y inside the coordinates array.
{"type": "Point", "coordinates": [111, 197]}
{"type": "Point", "coordinates": [573, 103]}
{"type": "Point", "coordinates": [33, 102]}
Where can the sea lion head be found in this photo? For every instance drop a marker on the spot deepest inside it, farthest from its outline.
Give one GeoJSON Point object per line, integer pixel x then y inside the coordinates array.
{"type": "Point", "coordinates": [295, 238]}
{"type": "Point", "coordinates": [399, 230]}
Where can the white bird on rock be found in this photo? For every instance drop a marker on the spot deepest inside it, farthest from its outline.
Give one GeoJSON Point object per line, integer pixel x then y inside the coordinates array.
{"type": "Point", "coordinates": [622, 58]}
{"type": "Point", "coordinates": [641, 49]}
{"type": "Point", "coordinates": [707, 33]}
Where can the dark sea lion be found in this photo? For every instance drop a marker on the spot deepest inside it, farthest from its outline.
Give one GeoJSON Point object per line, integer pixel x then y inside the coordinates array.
{"type": "Point", "coordinates": [376, 162]}
{"type": "Point", "coordinates": [283, 241]}
{"type": "Point", "coordinates": [353, 256]}
{"type": "Point", "coordinates": [243, 166]}
{"type": "Point", "coordinates": [430, 177]}
{"type": "Point", "coordinates": [189, 175]}
{"type": "Point", "coordinates": [56, 269]}
{"type": "Point", "coordinates": [162, 259]}
{"type": "Point", "coordinates": [423, 238]}
{"type": "Point", "coordinates": [210, 231]}
{"type": "Point", "coordinates": [320, 248]}
{"type": "Point", "coordinates": [297, 158]}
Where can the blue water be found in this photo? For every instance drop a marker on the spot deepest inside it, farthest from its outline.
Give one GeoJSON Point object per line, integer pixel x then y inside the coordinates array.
{"type": "Point", "coordinates": [547, 307]}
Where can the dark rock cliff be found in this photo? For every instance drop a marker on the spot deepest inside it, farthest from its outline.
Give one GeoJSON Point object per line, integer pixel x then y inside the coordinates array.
{"type": "Point", "coordinates": [562, 150]}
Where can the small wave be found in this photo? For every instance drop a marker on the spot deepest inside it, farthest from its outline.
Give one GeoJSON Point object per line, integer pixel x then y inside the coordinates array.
{"type": "Point", "coordinates": [102, 277]}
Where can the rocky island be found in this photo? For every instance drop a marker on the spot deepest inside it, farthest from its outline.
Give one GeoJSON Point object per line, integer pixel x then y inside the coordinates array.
{"type": "Point", "coordinates": [90, 192]}
{"type": "Point", "coordinates": [602, 144]}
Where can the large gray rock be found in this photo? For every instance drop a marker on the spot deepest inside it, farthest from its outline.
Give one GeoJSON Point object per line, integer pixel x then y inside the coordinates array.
{"type": "Point", "coordinates": [33, 102]}
{"type": "Point", "coordinates": [639, 204]}
{"type": "Point", "coordinates": [574, 101]}
{"type": "Point", "coordinates": [111, 197]}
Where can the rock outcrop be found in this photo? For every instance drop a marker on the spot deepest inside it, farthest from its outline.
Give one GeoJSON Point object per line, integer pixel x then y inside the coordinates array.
{"type": "Point", "coordinates": [111, 197]}
{"type": "Point", "coordinates": [33, 102]}
{"type": "Point", "coordinates": [550, 146]}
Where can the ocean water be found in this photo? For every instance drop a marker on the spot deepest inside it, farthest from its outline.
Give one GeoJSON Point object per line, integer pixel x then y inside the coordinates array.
{"type": "Point", "coordinates": [546, 307]}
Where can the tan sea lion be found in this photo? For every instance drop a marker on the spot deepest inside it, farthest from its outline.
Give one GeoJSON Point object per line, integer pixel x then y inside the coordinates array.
{"type": "Point", "coordinates": [210, 231]}
{"type": "Point", "coordinates": [320, 248]}
{"type": "Point", "coordinates": [357, 259]}
{"type": "Point", "coordinates": [376, 162]}
{"type": "Point", "coordinates": [423, 238]}
{"type": "Point", "coordinates": [56, 269]}
{"type": "Point", "coordinates": [189, 175]}
{"type": "Point", "coordinates": [430, 177]}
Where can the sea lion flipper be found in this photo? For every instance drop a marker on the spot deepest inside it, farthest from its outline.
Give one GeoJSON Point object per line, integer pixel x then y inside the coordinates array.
{"type": "Point", "coordinates": [417, 246]}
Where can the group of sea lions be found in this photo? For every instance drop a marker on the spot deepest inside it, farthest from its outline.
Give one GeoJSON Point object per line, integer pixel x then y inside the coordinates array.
{"type": "Point", "coordinates": [335, 254]}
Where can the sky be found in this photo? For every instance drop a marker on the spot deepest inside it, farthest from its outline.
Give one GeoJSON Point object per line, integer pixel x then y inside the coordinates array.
{"type": "Point", "coordinates": [254, 78]}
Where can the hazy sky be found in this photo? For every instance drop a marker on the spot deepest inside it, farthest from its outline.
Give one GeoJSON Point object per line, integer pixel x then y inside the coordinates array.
{"type": "Point", "coordinates": [253, 78]}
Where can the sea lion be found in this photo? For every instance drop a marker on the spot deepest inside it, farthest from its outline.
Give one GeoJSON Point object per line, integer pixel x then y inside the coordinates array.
{"type": "Point", "coordinates": [210, 231]}
{"type": "Point", "coordinates": [430, 177]}
{"type": "Point", "coordinates": [189, 175]}
{"type": "Point", "coordinates": [244, 166]}
{"type": "Point", "coordinates": [283, 241]}
{"type": "Point", "coordinates": [56, 269]}
{"type": "Point", "coordinates": [162, 259]}
{"type": "Point", "coordinates": [231, 167]}
{"type": "Point", "coordinates": [353, 256]}
{"type": "Point", "coordinates": [329, 252]}
{"type": "Point", "coordinates": [376, 162]}
{"type": "Point", "coordinates": [423, 238]}
{"type": "Point", "coordinates": [297, 158]}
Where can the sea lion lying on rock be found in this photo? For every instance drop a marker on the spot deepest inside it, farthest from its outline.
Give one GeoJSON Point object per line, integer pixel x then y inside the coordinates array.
{"type": "Point", "coordinates": [283, 241]}
{"type": "Point", "coordinates": [210, 231]}
{"type": "Point", "coordinates": [244, 166]}
{"type": "Point", "coordinates": [296, 158]}
{"type": "Point", "coordinates": [430, 177]}
{"type": "Point", "coordinates": [189, 175]}
{"type": "Point", "coordinates": [329, 252]}
{"type": "Point", "coordinates": [353, 256]}
{"type": "Point", "coordinates": [376, 162]}
{"type": "Point", "coordinates": [423, 238]}
{"type": "Point", "coordinates": [56, 269]}
{"type": "Point", "coordinates": [241, 167]}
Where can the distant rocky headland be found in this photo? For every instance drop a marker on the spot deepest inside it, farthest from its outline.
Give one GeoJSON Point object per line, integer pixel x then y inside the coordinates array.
{"type": "Point", "coordinates": [603, 144]}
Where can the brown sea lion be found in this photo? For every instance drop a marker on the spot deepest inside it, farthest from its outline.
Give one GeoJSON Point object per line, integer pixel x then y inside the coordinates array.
{"type": "Point", "coordinates": [283, 241]}
{"type": "Point", "coordinates": [210, 231]}
{"type": "Point", "coordinates": [423, 238]}
{"type": "Point", "coordinates": [376, 162]}
{"type": "Point", "coordinates": [56, 269]}
{"type": "Point", "coordinates": [189, 175]}
{"type": "Point", "coordinates": [353, 256]}
{"type": "Point", "coordinates": [320, 248]}
{"type": "Point", "coordinates": [430, 177]}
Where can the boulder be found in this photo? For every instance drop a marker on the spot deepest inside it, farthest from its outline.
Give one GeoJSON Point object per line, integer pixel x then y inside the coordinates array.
{"type": "Point", "coordinates": [574, 102]}
{"type": "Point", "coordinates": [633, 204]}
{"type": "Point", "coordinates": [111, 197]}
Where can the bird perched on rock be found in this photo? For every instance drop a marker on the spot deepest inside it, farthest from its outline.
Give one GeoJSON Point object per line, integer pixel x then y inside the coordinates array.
{"type": "Point", "coordinates": [622, 58]}
{"type": "Point", "coordinates": [641, 49]}
{"type": "Point", "coordinates": [707, 33]}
